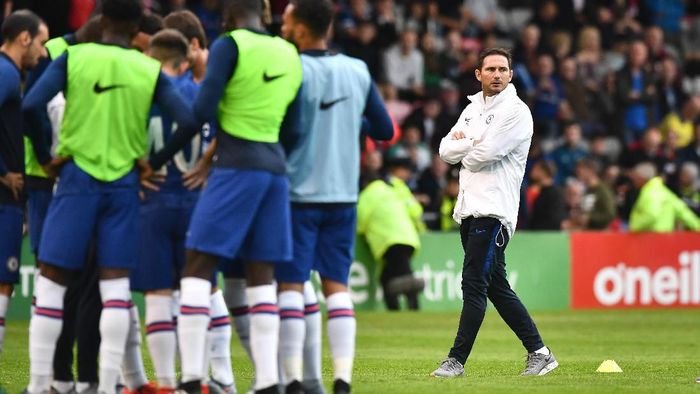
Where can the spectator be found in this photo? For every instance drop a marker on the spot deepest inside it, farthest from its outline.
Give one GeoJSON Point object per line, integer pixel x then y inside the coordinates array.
{"type": "Point", "coordinates": [567, 155]}
{"type": "Point", "coordinates": [549, 207]}
{"type": "Point", "coordinates": [468, 84]}
{"type": "Point", "coordinates": [598, 205]}
{"type": "Point", "coordinates": [431, 183]}
{"type": "Point", "coordinates": [580, 100]}
{"type": "Point", "coordinates": [547, 98]}
{"type": "Point", "coordinates": [482, 14]}
{"type": "Point", "coordinates": [546, 13]}
{"type": "Point", "coordinates": [691, 152]}
{"type": "Point", "coordinates": [682, 123]}
{"type": "Point", "coordinates": [590, 57]}
{"type": "Point", "coordinates": [688, 186]}
{"type": "Point", "coordinates": [410, 147]}
{"type": "Point", "coordinates": [385, 20]}
{"type": "Point", "coordinates": [573, 195]}
{"type": "Point", "coordinates": [635, 94]}
{"type": "Point", "coordinates": [657, 208]}
{"type": "Point", "coordinates": [417, 15]}
{"type": "Point", "coordinates": [451, 57]}
{"type": "Point", "coordinates": [560, 45]}
{"type": "Point", "coordinates": [665, 14]}
{"type": "Point", "coordinates": [451, 14]}
{"type": "Point", "coordinates": [648, 149]}
{"type": "Point", "coordinates": [600, 151]}
{"type": "Point", "coordinates": [388, 217]}
{"type": "Point", "coordinates": [364, 46]}
{"type": "Point", "coordinates": [371, 167]}
{"type": "Point", "coordinates": [658, 50]}
{"type": "Point", "coordinates": [351, 15]}
{"type": "Point", "coordinates": [670, 88]}
{"type": "Point", "coordinates": [449, 199]}
{"type": "Point", "coordinates": [433, 58]}
{"type": "Point", "coordinates": [429, 121]}
{"type": "Point", "coordinates": [403, 66]}
{"type": "Point", "coordinates": [526, 50]}
{"type": "Point", "coordinates": [398, 109]}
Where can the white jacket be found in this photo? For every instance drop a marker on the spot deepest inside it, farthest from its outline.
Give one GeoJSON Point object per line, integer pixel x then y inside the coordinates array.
{"type": "Point", "coordinates": [498, 131]}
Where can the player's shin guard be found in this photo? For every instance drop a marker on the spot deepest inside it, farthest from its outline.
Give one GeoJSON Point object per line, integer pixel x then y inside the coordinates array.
{"type": "Point", "coordinates": [192, 326]}
{"type": "Point", "coordinates": [312, 339]}
{"type": "Point", "coordinates": [341, 334]}
{"type": "Point", "coordinates": [264, 334]}
{"type": "Point", "coordinates": [220, 341]}
{"type": "Point", "coordinates": [4, 301]}
{"type": "Point", "coordinates": [133, 370]}
{"type": "Point", "coordinates": [160, 337]}
{"type": "Point", "coordinates": [237, 304]}
{"type": "Point", "coordinates": [44, 329]}
{"type": "Point", "coordinates": [114, 329]}
{"type": "Point", "coordinates": [292, 331]}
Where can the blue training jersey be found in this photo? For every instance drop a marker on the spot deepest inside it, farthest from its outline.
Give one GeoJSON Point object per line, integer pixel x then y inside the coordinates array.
{"type": "Point", "coordinates": [324, 165]}
{"type": "Point", "coordinates": [161, 128]}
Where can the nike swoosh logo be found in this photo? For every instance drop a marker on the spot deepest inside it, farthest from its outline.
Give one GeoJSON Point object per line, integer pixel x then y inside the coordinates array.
{"type": "Point", "coordinates": [326, 105]}
{"type": "Point", "coordinates": [101, 89]}
{"type": "Point", "coordinates": [270, 78]}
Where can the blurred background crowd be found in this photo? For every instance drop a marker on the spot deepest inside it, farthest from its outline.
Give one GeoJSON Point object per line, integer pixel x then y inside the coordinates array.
{"type": "Point", "coordinates": [611, 84]}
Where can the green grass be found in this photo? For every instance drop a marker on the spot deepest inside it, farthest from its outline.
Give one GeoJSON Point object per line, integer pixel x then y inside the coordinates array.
{"type": "Point", "coordinates": [659, 351]}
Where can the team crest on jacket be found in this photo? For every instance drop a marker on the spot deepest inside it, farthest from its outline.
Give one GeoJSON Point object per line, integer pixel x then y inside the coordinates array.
{"type": "Point", "coordinates": [466, 120]}
{"type": "Point", "coordinates": [12, 264]}
{"type": "Point", "coordinates": [489, 119]}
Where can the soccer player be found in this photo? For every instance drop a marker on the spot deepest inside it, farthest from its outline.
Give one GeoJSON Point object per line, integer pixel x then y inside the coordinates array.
{"type": "Point", "coordinates": [82, 300]}
{"type": "Point", "coordinates": [188, 24]}
{"type": "Point", "coordinates": [251, 84]}
{"type": "Point", "coordinates": [164, 219]}
{"type": "Point", "coordinates": [23, 35]}
{"type": "Point", "coordinates": [109, 91]}
{"type": "Point", "coordinates": [491, 140]}
{"type": "Point", "coordinates": [323, 167]}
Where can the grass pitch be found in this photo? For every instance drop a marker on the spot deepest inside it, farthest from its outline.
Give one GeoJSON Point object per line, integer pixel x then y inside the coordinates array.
{"type": "Point", "coordinates": [658, 350]}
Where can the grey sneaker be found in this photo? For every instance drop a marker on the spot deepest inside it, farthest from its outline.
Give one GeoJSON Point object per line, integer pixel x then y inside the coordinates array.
{"type": "Point", "coordinates": [449, 368]}
{"type": "Point", "coordinates": [697, 380]}
{"type": "Point", "coordinates": [539, 364]}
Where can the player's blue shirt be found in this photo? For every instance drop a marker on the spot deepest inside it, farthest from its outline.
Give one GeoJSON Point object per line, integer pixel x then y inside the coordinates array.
{"type": "Point", "coordinates": [11, 142]}
{"type": "Point", "coordinates": [337, 94]}
{"type": "Point", "coordinates": [161, 128]}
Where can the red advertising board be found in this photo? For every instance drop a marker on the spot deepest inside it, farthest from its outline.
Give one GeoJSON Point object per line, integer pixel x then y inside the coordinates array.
{"type": "Point", "coordinates": [616, 270]}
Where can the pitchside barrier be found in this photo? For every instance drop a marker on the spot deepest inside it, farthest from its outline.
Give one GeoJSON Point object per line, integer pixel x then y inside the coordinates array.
{"type": "Point", "coordinates": [548, 270]}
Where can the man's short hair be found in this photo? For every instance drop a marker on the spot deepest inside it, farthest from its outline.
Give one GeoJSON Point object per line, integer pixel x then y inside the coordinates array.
{"type": "Point", "coordinates": [188, 24]}
{"type": "Point", "coordinates": [122, 10]}
{"type": "Point", "coordinates": [151, 24]}
{"type": "Point", "coordinates": [316, 15]}
{"type": "Point", "coordinates": [233, 9]}
{"type": "Point", "coordinates": [548, 166]}
{"type": "Point", "coordinates": [169, 46]}
{"type": "Point", "coordinates": [495, 51]}
{"type": "Point", "coordinates": [19, 21]}
{"type": "Point", "coordinates": [590, 164]}
{"type": "Point", "coordinates": [645, 170]}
